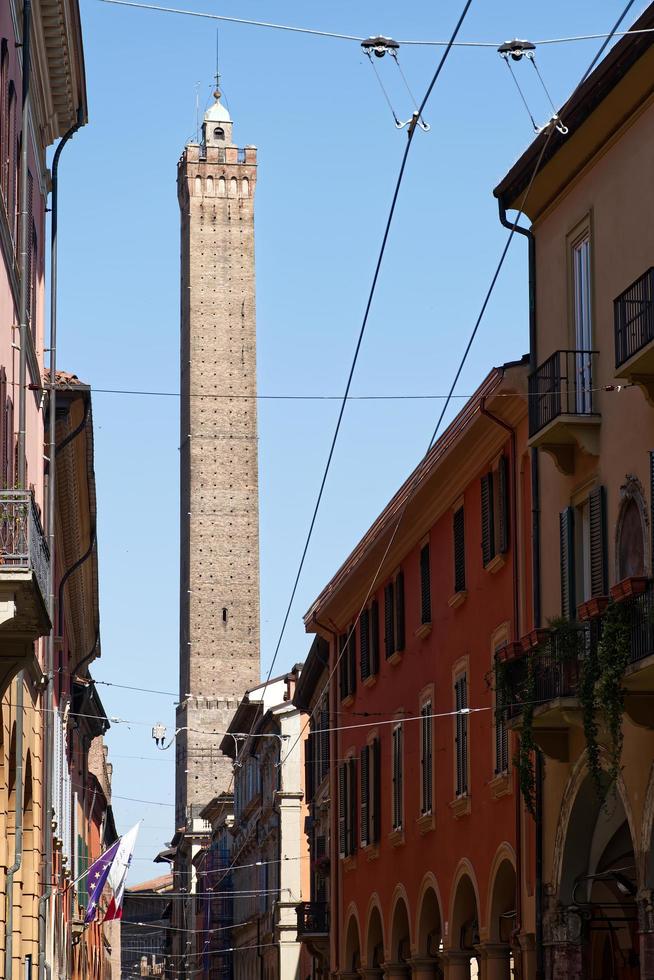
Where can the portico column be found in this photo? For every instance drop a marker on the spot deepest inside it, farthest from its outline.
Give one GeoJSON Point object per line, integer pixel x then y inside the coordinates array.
{"type": "Point", "coordinates": [424, 968]}
{"type": "Point", "coordinates": [645, 905]}
{"type": "Point", "coordinates": [372, 973]}
{"type": "Point", "coordinates": [349, 975]}
{"type": "Point", "coordinates": [456, 965]}
{"type": "Point", "coordinates": [494, 961]}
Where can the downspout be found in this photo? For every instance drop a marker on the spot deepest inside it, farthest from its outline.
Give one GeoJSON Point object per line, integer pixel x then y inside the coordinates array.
{"type": "Point", "coordinates": [44, 968]}
{"type": "Point", "coordinates": [536, 585]}
{"type": "Point", "coordinates": [18, 833]}
{"type": "Point", "coordinates": [334, 884]}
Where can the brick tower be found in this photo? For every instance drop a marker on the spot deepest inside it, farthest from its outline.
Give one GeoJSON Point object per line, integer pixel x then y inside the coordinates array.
{"type": "Point", "coordinates": [219, 576]}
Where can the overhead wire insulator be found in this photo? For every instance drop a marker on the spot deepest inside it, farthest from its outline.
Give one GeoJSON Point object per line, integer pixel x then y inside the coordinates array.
{"type": "Point", "coordinates": [516, 50]}
{"type": "Point", "coordinates": [380, 46]}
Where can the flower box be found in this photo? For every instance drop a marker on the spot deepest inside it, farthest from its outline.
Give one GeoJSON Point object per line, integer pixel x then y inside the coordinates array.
{"type": "Point", "coordinates": [629, 587]}
{"type": "Point", "coordinates": [593, 608]}
{"type": "Point", "coordinates": [534, 638]}
{"type": "Point", "coordinates": [510, 651]}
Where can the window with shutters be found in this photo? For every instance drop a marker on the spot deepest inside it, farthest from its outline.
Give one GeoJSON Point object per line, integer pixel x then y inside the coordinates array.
{"type": "Point", "coordinates": [347, 663]}
{"type": "Point", "coordinates": [397, 779]}
{"type": "Point", "coordinates": [364, 818]}
{"type": "Point", "coordinates": [458, 529]}
{"type": "Point", "coordinates": [425, 585]}
{"type": "Point", "coordinates": [370, 793]}
{"type": "Point", "coordinates": [426, 757]}
{"type": "Point", "coordinates": [369, 641]}
{"type": "Point", "coordinates": [11, 159]}
{"type": "Point", "coordinates": [394, 621]}
{"type": "Point", "coordinates": [583, 552]}
{"type": "Point", "coordinates": [347, 797]}
{"type": "Point", "coordinates": [323, 742]}
{"type": "Point", "coordinates": [461, 734]}
{"type": "Point", "coordinates": [4, 117]}
{"type": "Point", "coordinates": [501, 732]}
{"type": "Point", "coordinates": [495, 518]}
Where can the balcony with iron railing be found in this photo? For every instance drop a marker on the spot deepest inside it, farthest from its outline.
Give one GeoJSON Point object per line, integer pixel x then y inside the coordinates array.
{"type": "Point", "coordinates": [633, 315]}
{"type": "Point", "coordinates": [24, 567]}
{"type": "Point", "coordinates": [548, 676]}
{"type": "Point", "coordinates": [562, 411]}
{"type": "Point", "coordinates": [313, 927]}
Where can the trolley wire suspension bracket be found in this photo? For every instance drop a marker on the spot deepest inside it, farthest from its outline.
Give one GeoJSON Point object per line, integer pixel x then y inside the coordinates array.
{"type": "Point", "coordinates": [380, 46]}
{"type": "Point", "coordinates": [516, 50]}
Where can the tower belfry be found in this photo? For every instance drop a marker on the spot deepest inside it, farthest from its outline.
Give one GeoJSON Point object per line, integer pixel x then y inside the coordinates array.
{"type": "Point", "coordinates": [219, 575]}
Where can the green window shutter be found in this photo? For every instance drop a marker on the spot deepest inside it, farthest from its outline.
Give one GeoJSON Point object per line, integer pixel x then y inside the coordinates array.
{"type": "Point", "coordinates": [458, 526]}
{"type": "Point", "coordinates": [365, 796]}
{"type": "Point", "coordinates": [364, 643]}
{"type": "Point", "coordinates": [374, 637]}
{"type": "Point", "coordinates": [400, 639]}
{"type": "Point", "coordinates": [504, 517]}
{"type": "Point", "coordinates": [425, 585]}
{"type": "Point", "coordinates": [566, 533]}
{"type": "Point", "coordinates": [389, 620]}
{"type": "Point", "coordinates": [599, 584]}
{"type": "Point", "coordinates": [487, 523]}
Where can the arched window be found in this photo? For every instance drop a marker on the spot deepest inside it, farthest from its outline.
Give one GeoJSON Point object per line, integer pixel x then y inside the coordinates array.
{"type": "Point", "coordinates": [219, 133]}
{"type": "Point", "coordinates": [233, 187]}
{"type": "Point", "coordinates": [210, 186]}
{"type": "Point", "coordinates": [631, 538]}
{"type": "Point", "coordinates": [198, 186]}
{"type": "Point", "coordinates": [245, 187]}
{"type": "Point", "coordinates": [221, 187]}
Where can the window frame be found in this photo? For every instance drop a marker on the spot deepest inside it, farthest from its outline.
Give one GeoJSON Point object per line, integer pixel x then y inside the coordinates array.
{"type": "Point", "coordinates": [425, 595]}
{"type": "Point", "coordinates": [426, 757]}
{"type": "Point", "coordinates": [459, 548]}
{"type": "Point", "coordinates": [397, 777]}
{"type": "Point", "coordinates": [461, 746]}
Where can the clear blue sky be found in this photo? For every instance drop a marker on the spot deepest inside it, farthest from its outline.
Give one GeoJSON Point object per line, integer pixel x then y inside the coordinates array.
{"type": "Point", "coordinates": [328, 158]}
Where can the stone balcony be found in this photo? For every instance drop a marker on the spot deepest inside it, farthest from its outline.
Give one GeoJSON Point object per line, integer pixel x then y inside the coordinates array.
{"type": "Point", "coordinates": [313, 927]}
{"type": "Point", "coordinates": [24, 584]}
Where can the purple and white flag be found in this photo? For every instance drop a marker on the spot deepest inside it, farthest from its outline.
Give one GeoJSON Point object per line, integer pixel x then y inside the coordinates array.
{"type": "Point", "coordinates": [97, 878]}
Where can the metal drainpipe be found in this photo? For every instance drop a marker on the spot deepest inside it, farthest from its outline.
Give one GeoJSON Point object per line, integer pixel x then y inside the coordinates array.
{"type": "Point", "coordinates": [48, 741]}
{"type": "Point", "coordinates": [334, 885]}
{"type": "Point", "coordinates": [18, 833]}
{"type": "Point", "coordinates": [536, 585]}
{"type": "Point", "coordinates": [24, 246]}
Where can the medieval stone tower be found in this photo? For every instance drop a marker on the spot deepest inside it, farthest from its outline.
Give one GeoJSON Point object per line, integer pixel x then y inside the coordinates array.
{"type": "Point", "coordinates": [219, 580]}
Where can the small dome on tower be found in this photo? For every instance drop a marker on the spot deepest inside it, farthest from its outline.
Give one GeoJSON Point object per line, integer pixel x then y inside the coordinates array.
{"type": "Point", "coordinates": [217, 112]}
{"type": "Point", "coordinates": [217, 125]}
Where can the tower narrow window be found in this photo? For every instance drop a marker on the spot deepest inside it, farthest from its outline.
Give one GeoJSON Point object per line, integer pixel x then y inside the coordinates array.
{"type": "Point", "coordinates": [198, 185]}
{"type": "Point", "coordinates": [219, 133]}
{"type": "Point", "coordinates": [221, 187]}
{"type": "Point", "coordinates": [210, 186]}
{"type": "Point", "coordinates": [245, 187]}
{"type": "Point", "coordinates": [233, 187]}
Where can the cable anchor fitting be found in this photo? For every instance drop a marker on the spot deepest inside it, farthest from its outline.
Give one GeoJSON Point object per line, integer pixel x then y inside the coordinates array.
{"type": "Point", "coordinates": [380, 45]}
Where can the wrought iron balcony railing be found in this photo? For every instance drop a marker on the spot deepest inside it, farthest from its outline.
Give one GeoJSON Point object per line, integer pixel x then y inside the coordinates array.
{"type": "Point", "coordinates": [561, 385]}
{"type": "Point", "coordinates": [633, 313]}
{"type": "Point", "coordinates": [312, 919]}
{"type": "Point", "coordinates": [22, 542]}
{"type": "Point", "coordinates": [640, 611]}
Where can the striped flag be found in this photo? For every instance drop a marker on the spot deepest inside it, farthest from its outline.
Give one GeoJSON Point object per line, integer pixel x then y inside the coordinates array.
{"type": "Point", "coordinates": [117, 878]}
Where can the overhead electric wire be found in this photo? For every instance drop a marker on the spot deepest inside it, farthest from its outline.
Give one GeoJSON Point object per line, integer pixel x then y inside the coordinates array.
{"type": "Point", "coordinates": [523, 203]}
{"type": "Point", "coordinates": [354, 37]}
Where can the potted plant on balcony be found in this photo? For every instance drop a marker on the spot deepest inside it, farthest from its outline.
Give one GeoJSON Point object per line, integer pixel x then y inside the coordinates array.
{"type": "Point", "coordinates": [593, 608]}
{"type": "Point", "coordinates": [321, 864]}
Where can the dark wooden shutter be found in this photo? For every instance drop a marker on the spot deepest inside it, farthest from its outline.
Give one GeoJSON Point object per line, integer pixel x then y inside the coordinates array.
{"type": "Point", "coordinates": [343, 674]}
{"type": "Point", "coordinates": [426, 760]}
{"type": "Point", "coordinates": [365, 796]}
{"type": "Point", "coordinates": [364, 643]}
{"type": "Point", "coordinates": [352, 659]}
{"type": "Point", "coordinates": [4, 116]}
{"type": "Point", "coordinates": [461, 737]}
{"type": "Point", "coordinates": [352, 814]}
{"type": "Point", "coordinates": [389, 620]}
{"type": "Point", "coordinates": [566, 533]}
{"type": "Point", "coordinates": [651, 505]}
{"type": "Point", "coordinates": [374, 637]}
{"type": "Point", "coordinates": [309, 767]}
{"type": "Point", "coordinates": [324, 740]}
{"type": "Point", "coordinates": [458, 524]}
{"type": "Point", "coordinates": [487, 523]}
{"type": "Point", "coordinates": [342, 809]}
{"type": "Point", "coordinates": [503, 516]}
{"type": "Point", "coordinates": [399, 612]}
{"type": "Point", "coordinates": [10, 442]}
{"type": "Point", "coordinates": [425, 585]}
{"type": "Point", "coordinates": [376, 791]}
{"type": "Point", "coordinates": [599, 584]}
{"type": "Point", "coordinates": [30, 248]}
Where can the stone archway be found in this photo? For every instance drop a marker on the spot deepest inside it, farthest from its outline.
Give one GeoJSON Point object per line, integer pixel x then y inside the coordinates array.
{"type": "Point", "coordinates": [631, 531]}
{"type": "Point", "coordinates": [501, 949]}
{"type": "Point", "coordinates": [592, 929]}
{"type": "Point", "coordinates": [398, 967]}
{"type": "Point", "coordinates": [427, 963]}
{"type": "Point", "coordinates": [352, 958]}
{"type": "Point", "coordinates": [462, 954]}
{"type": "Point", "coordinates": [374, 941]}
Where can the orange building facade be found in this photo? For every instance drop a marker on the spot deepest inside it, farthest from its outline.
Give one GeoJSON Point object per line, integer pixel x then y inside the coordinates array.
{"type": "Point", "coordinates": [426, 832]}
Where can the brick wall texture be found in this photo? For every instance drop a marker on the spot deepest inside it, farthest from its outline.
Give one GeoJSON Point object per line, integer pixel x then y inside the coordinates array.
{"type": "Point", "coordinates": [219, 582]}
